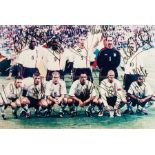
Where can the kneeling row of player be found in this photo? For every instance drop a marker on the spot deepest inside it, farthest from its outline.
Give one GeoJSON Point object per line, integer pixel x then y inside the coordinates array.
{"type": "Point", "coordinates": [34, 92]}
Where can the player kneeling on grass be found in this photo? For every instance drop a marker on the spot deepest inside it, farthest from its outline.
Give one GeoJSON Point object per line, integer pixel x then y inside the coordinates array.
{"type": "Point", "coordinates": [82, 93]}
{"type": "Point", "coordinates": [34, 92]}
{"type": "Point", "coordinates": [139, 93]}
{"type": "Point", "coordinates": [55, 93]}
{"type": "Point", "coordinates": [11, 95]}
{"type": "Point", "coordinates": [111, 95]}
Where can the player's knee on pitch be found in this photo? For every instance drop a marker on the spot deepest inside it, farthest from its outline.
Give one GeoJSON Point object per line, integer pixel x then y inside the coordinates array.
{"type": "Point", "coordinates": [124, 101]}
{"type": "Point", "coordinates": [43, 103]}
{"type": "Point", "coordinates": [24, 101]}
{"type": "Point", "coordinates": [48, 101]}
{"type": "Point", "coordinates": [18, 103]}
{"type": "Point", "coordinates": [95, 101]}
{"type": "Point", "coordinates": [13, 105]}
{"type": "Point", "coordinates": [100, 101]}
{"type": "Point", "coordinates": [70, 101]}
{"type": "Point", "coordinates": [65, 100]}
